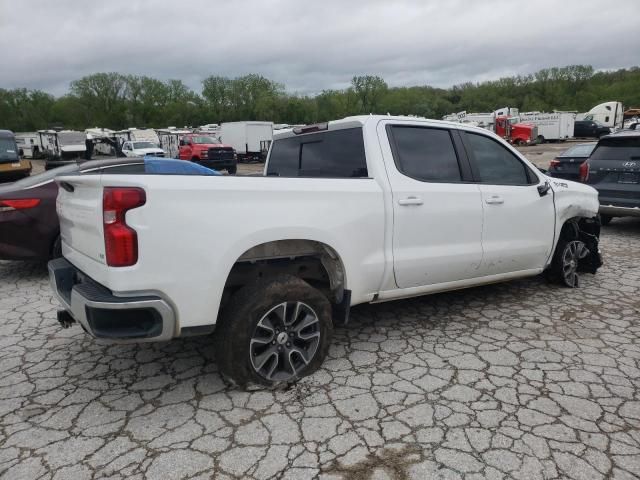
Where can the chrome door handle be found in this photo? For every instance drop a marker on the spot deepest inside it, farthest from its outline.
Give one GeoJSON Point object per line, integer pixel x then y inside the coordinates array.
{"type": "Point", "coordinates": [495, 200]}
{"type": "Point", "coordinates": [410, 201]}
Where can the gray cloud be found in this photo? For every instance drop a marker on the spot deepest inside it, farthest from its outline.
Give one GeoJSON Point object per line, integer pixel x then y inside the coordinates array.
{"type": "Point", "coordinates": [309, 46]}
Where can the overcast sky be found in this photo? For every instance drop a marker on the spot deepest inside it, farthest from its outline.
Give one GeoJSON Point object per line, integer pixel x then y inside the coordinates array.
{"type": "Point", "coordinates": [310, 45]}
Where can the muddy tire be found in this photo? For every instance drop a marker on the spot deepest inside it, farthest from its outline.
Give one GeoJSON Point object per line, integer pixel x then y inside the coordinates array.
{"type": "Point", "coordinates": [273, 332]}
{"type": "Point", "coordinates": [605, 219]}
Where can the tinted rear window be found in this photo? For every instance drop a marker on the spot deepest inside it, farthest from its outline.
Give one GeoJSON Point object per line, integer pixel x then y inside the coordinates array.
{"type": "Point", "coordinates": [426, 154]}
{"type": "Point", "coordinates": [333, 154]}
{"type": "Point", "coordinates": [617, 149]}
{"type": "Point", "coordinates": [579, 151]}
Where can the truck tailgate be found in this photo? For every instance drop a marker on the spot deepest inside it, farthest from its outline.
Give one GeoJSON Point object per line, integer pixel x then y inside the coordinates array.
{"type": "Point", "coordinates": [79, 207]}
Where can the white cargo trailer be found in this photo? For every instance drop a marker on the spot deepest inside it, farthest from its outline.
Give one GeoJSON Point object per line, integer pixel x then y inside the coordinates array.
{"type": "Point", "coordinates": [30, 145]}
{"type": "Point", "coordinates": [104, 141]}
{"type": "Point", "coordinates": [170, 140]}
{"type": "Point", "coordinates": [250, 140]}
{"type": "Point", "coordinates": [551, 126]}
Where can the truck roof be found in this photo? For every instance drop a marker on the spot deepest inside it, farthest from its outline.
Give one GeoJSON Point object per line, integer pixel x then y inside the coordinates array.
{"type": "Point", "coordinates": [361, 120]}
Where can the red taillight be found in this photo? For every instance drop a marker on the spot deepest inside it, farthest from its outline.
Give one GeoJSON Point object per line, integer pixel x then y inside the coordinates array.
{"type": "Point", "coordinates": [554, 163]}
{"type": "Point", "coordinates": [120, 240]}
{"type": "Point", "coordinates": [18, 204]}
{"type": "Point", "coordinates": [584, 171]}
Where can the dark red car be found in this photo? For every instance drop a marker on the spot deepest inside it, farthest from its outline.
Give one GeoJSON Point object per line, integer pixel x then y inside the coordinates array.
{"type": "Point", "coordinates": [29, 228]}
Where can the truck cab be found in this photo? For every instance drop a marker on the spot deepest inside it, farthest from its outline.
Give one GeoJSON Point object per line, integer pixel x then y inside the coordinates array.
{"type": "Point", "coordinates": [515, 132]}
{"type": "Point", "coordinates": [205, 149]}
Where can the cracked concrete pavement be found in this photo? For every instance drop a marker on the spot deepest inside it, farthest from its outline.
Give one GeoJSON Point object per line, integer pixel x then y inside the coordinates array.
{"type": "Point", "coordinates": [519, 380]}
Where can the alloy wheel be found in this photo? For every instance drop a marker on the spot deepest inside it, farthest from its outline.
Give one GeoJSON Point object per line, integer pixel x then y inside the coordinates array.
{"type": "Point", "coordinates": [285, 341]}
{"type": "Point", "coordinates": [573, 252]}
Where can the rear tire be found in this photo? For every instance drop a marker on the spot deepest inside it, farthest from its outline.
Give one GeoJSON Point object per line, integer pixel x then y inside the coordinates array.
{"type": "Point", "coordinates": [273, 332]}
{"type": "Point", "coordinates": [605, 219]}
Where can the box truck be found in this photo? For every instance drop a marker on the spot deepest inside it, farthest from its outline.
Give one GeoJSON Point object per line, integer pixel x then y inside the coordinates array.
{"type": "Point", "coordinates": [551, 126]}
{"type": "Point", "coordinates": [250, 140]}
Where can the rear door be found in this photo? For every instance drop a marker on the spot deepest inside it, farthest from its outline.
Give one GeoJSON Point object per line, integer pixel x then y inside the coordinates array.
{"type": "Point", "coordinates": [518, 222]}
{"type": "Point", "coordinates": [437, 211]}
{"type": "Point", "coordinates": [614, 170]}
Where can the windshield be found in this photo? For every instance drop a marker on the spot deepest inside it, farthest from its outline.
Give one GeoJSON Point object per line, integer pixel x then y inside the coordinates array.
{"type": "Point", "coordinates": [580, 150]}
{"type": "Point", "coordinates": [144, 145]}
{"type": "Point", "coordinates": [71, 138]}
{"type": "Point", "coordinates": [8, 149]}
{"type": "Point", "coordinates": [202, 140]}
{"type": "Point", "coordinates": [617, 149]}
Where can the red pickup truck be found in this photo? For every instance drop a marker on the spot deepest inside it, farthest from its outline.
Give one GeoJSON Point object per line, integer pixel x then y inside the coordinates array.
{"type": "Point", "coordinates": [208, 151]}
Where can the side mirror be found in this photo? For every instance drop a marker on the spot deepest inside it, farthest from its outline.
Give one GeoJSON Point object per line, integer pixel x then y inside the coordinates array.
{"type": "Point", "coordinates": [181, 143]}
{"type": "Point", "coordinates": [544, 189]}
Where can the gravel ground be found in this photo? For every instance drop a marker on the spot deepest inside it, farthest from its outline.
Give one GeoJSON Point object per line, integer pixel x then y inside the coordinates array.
{"type": "Point", "coordinates": [519, 380]}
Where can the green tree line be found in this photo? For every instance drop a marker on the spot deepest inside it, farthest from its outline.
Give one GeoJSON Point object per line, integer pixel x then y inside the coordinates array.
{"type": "Point", "coordinates": [113, 100]}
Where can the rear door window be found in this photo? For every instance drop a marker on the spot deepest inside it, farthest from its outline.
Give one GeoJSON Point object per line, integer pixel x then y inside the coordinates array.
{"type": "Point", "coordinates": [617, 149]}
{"type": "Point", "coordinates": [425, 154]}
{"type": "Point", "coordinates": [332, 154]}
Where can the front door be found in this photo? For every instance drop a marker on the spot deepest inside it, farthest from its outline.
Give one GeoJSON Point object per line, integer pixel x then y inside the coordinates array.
{"type": "Point", "coordinates": [437, 210]}
{"type": "Point", "coordinates": [519, 221]}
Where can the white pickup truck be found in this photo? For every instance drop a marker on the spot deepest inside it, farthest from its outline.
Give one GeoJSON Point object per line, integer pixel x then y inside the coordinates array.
{"type": "Point", "coordinates": [364, 209]}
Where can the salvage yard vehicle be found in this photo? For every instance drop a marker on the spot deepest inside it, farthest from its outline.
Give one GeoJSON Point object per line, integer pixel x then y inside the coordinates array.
{"type": "Point", "coordinates": [62, 147]}
{"type": "Point", "coordinates": [12, 167]}
{"type": "Point", "coordinates": [363, 209]}
{"type": "Point", "coordinates": [614, 170]}
{"type": "Point", "coordinates": [570, 162]}
{"type": "Point", "coordinates": [250, 140]}
{"type": "Point", "coordinates": [29, 144]}
{"type": "Point", "coordinates": [208, 151]}
{"type": "Point", "coordinates": [608, 114]}
{"type": "Point", "coordinates": [590, 129]}
{"type": "Point", "coordinates": [556, 126]}
{"type": "Point", "coordinates": [504, 122]}
{"type": "Point", "coordinates": [29, 228]}
{"type": "Point", "coordinates": [141, 148]}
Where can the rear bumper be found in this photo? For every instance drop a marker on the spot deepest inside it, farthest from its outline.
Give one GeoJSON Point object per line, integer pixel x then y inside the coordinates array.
{"type": "Point", "coordinates": [615, 211]}
{"type": "Point", "coordinates": [105, 316]}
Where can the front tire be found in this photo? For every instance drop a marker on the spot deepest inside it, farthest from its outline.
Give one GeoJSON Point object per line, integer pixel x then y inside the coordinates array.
{"type": "Point", "coordinates": [232, 170]}
{"type": "Point", "coordinates": [566, 261]}
{"type": "Point", "coordinates": [272, 332]}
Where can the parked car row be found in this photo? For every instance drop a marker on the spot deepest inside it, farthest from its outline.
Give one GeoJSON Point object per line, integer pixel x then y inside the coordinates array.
{"type": "Point", "coordinates": [611, 166]}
